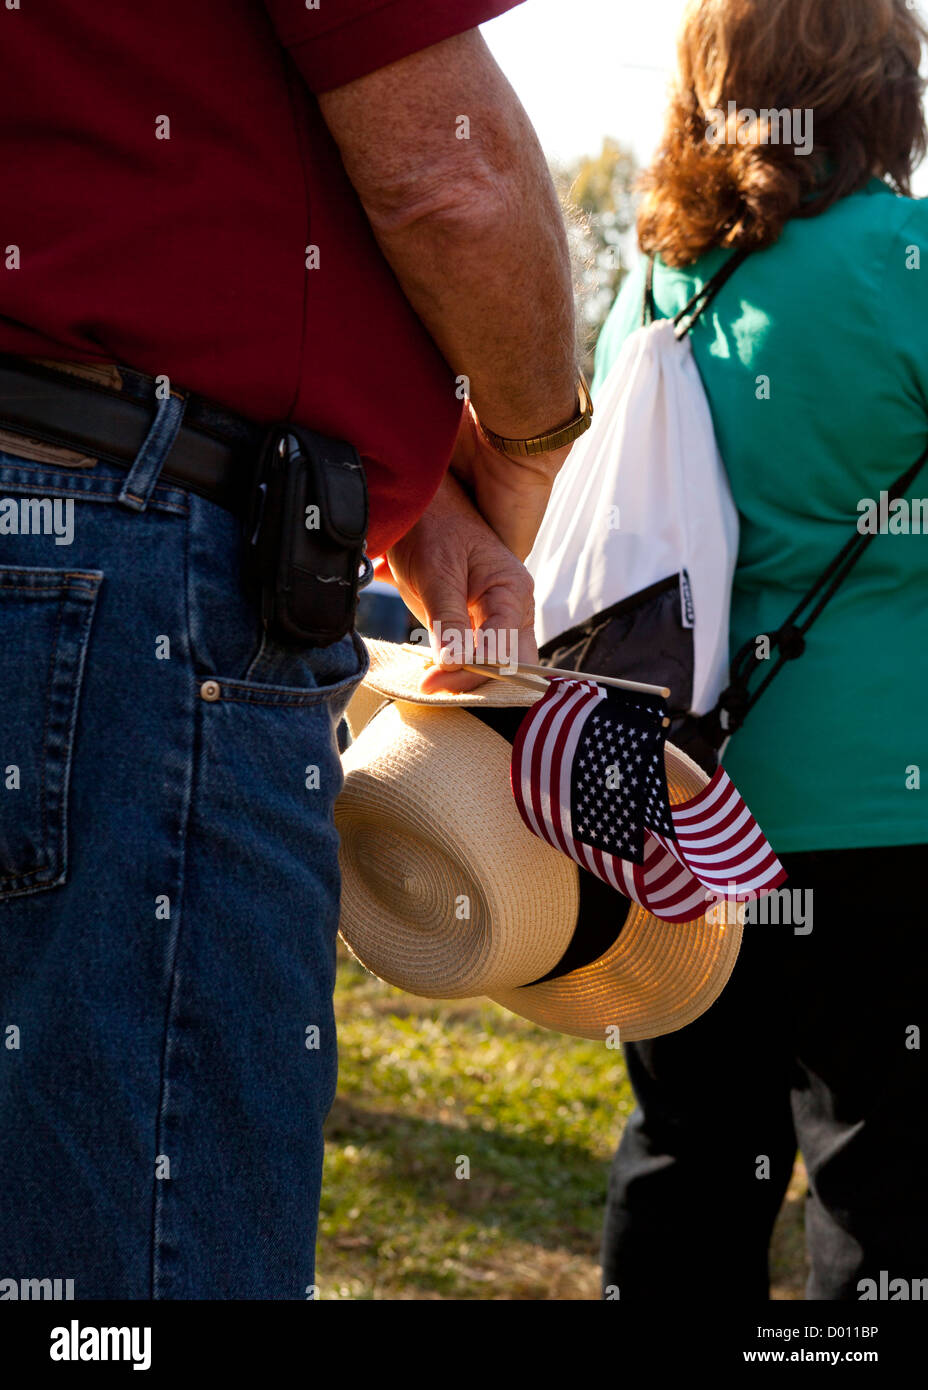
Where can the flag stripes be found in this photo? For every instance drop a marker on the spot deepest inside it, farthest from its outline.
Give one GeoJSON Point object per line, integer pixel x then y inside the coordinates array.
{"type": "Point", "coordinates": [719, 849]}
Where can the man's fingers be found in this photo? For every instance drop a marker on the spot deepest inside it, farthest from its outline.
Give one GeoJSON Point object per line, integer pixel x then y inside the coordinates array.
{"type": "Point", "coordinates": [443, 596]}
{"type": "Point", "coordinates": [455, 682]}
{"type": "Point", "coordinates": [504, 637]}
{"type": "Point", "coordinates": [505, 648]}
{"type": "Point", "coordinates": [476, 598]}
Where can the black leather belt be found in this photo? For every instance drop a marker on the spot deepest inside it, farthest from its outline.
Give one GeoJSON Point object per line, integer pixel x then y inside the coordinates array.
{"type": "Point", "coordinates": [214, 453]}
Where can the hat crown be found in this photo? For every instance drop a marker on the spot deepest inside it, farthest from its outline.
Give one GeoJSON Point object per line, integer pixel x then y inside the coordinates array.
{"type": "Point", "coordinates": [445, 891]}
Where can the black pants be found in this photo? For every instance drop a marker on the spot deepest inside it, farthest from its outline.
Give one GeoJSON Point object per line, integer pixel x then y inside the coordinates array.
{"type": "Point", "coordinates": [812, 1044]}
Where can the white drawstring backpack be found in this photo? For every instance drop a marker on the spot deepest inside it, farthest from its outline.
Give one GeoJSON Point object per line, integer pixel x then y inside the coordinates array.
{"type": "Point", "coordinates": [634, 561]}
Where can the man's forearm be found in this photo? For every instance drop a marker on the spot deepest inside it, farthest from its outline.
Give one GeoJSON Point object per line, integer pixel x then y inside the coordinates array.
{"type": "Point", "coordinates": [471, 227]}
{"type": "Point", "coordinates": [491, 281]}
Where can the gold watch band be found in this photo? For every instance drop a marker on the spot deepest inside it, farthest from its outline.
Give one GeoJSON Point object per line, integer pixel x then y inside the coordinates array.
{"type": "Point", "coordinates": [554, 439]}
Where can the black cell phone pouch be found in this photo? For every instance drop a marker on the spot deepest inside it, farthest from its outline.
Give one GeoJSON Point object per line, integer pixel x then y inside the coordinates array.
{"type": "Point", "coordinates": [304, 536]}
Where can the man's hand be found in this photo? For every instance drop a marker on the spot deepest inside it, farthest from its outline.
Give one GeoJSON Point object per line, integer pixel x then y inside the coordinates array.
{"type": "Point", "coordinates": [511, 494]}
{"type": "Point", "coordinates": [452, 569]}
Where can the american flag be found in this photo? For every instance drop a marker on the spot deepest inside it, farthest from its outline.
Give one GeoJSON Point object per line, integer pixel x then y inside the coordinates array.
{"type": "Point", "coordinates": [588, 776]}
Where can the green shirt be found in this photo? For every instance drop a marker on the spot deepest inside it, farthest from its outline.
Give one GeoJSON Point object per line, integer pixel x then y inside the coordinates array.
{"type": "Point", "coordinates": [814, 358]}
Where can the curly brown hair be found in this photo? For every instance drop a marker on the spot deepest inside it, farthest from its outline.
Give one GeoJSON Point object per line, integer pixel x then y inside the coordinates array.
{"type": "Point", "coordinates": [851, 65]}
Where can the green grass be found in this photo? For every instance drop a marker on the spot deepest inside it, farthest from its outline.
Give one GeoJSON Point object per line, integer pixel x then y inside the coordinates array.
{"type": "Point", "coordinates": [423, 1086]}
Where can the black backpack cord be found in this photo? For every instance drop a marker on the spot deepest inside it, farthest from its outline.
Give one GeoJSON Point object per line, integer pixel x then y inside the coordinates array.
{"type": "Point", "coordinates": [736, 701]}
{"type": "Point", "coordinates": [649, 308]}
{"type": "Point", "coordinates": [691, 312]}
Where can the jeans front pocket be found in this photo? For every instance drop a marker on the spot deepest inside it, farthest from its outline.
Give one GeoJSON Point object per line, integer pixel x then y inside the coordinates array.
{"type": "Point", "coordinates": [282, 675]}
{"type": "Point", "coordinates": [45, 620]}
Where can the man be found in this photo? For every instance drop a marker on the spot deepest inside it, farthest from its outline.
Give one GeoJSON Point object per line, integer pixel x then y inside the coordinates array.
{"type": "Point", "coordinates": [219, 218]}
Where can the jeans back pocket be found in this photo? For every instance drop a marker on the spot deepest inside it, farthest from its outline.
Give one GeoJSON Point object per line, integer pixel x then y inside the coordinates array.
{"type": "Point", "coordinates": [45, 620]}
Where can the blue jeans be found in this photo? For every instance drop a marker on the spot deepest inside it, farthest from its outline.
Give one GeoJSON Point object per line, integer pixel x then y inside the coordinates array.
{"type": "Point", "coordinates": [168, 899]}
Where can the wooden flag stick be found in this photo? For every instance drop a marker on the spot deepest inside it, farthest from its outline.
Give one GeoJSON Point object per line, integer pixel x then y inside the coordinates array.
{"type": "Point", "coordinates": [530, 682]}
{"type": "Point", "coordinates": [553, 672]}
{"type": "Point", "coordinates": [547, 673]}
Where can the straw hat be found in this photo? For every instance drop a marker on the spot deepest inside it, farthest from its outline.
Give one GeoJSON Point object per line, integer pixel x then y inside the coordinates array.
{"type": "Point", "coordinates": [447, 894]}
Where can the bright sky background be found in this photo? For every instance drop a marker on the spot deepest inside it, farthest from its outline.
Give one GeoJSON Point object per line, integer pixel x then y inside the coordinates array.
{"type": "Point", "coordinates": [588, 68]}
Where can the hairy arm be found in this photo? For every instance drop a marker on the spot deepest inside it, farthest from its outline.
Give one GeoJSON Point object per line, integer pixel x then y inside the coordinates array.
{"type": "Point", "coordinates": [471, 226]}
{"type": "Point", "coordinates": [474, 233]}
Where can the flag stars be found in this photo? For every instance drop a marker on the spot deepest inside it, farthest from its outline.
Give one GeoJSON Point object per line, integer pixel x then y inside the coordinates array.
{"type": "Point", "coordinates": [616, 783]}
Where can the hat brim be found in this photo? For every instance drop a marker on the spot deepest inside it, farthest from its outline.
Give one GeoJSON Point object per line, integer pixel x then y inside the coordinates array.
{"type": "Point", "coordinates": [396, 672]}
{"type": "Point", "coordinates": [644, 986]}
{"type": "Point", "coordinates": [657, 976]}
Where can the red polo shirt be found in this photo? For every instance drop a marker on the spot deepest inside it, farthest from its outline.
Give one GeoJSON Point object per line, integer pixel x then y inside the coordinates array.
{"type": "Point", "coordinates": [165, 168]}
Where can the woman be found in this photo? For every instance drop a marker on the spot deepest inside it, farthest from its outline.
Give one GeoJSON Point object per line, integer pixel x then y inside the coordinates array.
{"type": "Point", "coordinates": [814, 357]}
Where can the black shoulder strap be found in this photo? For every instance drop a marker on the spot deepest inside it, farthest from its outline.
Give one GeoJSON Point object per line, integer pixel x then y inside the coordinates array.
{"type": "Point", "coordinates": [648, 308]}
{"type": "Point", "coordinates": [788, 641]}
{"type": "Point", "coordinates": [697, 306]}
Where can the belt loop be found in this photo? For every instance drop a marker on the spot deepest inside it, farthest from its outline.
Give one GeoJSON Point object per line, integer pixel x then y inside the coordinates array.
{"type": "Point", "coordinates": [158, 443]}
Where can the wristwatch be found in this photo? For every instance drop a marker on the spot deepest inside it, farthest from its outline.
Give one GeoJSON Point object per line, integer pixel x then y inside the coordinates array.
{"type": "Point", "coordinates": [554, 439]}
